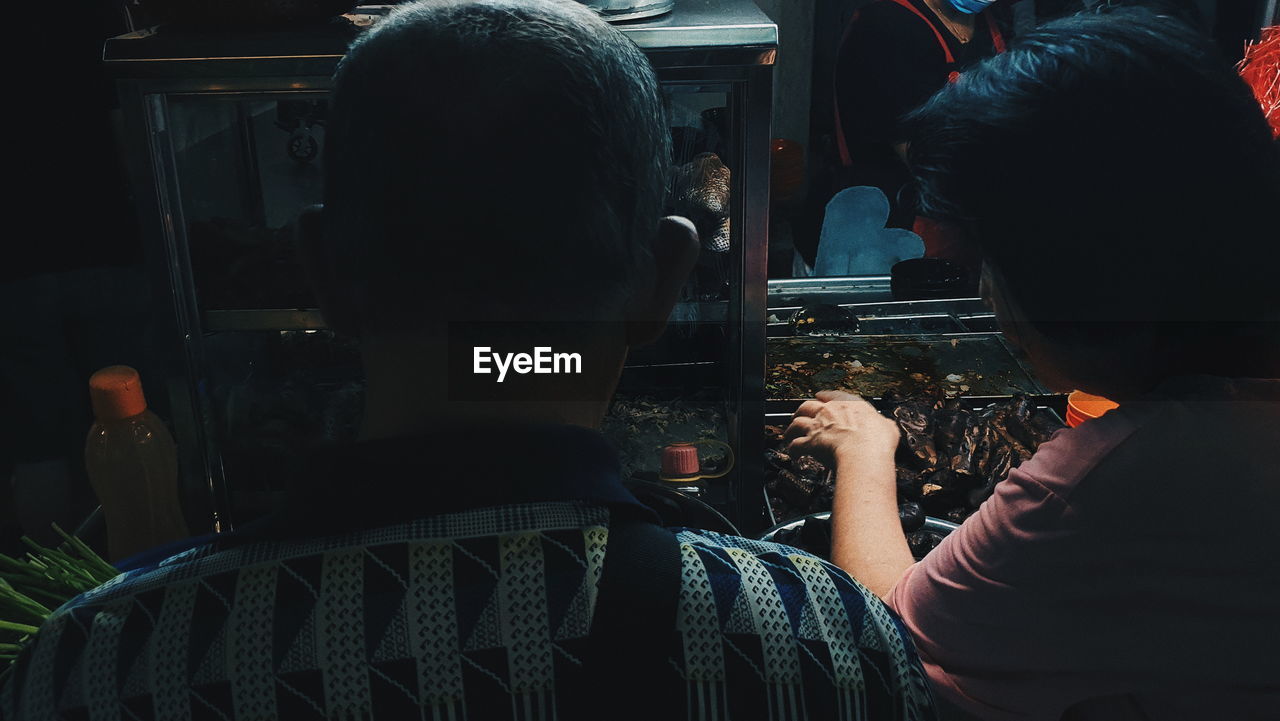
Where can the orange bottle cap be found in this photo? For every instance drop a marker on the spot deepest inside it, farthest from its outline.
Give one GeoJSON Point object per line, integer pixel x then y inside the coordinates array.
{"type": "Point", "coordinates": [680, 460]}
{"type": "Point", "coordinates": [116, 392]}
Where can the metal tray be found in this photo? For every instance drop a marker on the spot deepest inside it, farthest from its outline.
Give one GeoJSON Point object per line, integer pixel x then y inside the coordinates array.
{"type": "Point", "coordinates": [892, 317]}
{"type": "Point", "coordinates": [930, 524]}
{"type": "Point", "coordinates": [779, 412]}
{"type": "Point", "coordinates": [954, 365]}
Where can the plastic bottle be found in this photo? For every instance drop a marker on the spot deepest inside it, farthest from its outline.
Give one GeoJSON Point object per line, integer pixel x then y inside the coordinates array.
{"type": "Point", "coordinates": [132, 464]}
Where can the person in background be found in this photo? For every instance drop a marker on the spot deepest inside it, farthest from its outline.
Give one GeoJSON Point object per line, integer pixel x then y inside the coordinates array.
{"type": "Point", "coordinates": [1129, 569]}
{"type": "Point", "coordinates": [475, 554]}
{"type": "Point", "coordinates": [893, 56]}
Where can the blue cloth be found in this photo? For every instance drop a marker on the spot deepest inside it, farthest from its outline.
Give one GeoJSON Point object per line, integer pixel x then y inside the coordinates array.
{"type": "Point", "coordinates": [972, 7]}
{"type": "Point", "coordinates": [153, 556]}
{"type": "Point", "coordinates": [854, 240]}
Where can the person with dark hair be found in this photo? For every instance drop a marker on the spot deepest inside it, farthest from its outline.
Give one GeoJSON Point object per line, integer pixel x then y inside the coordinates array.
{"type": "Point", "coordinates": [894, 54]}
{"type": "Point", "coordinates": [1123, 187]}
{"type": "Point", "coordinates": [494, 173]}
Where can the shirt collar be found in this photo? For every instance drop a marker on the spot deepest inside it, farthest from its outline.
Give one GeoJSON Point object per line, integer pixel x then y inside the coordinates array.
{"type": "Point", "coordinates": [394, 480]}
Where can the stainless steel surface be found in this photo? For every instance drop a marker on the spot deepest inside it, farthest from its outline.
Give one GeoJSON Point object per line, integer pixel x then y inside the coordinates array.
{"type": "Point", "coordinates": [779, 413]}
{"type": "Point", "coordinates": [855, 289]}
{"type": "Point", "coordinates": [719, 32]}
{"type": "Point", "coordinates": [930, 524]}
{"type": "Point", "coordinates": [868, 293]}
{"type": "Point", "coordinates": [707, 24]}
{"type": "Point", "coordinates": [787, 301]}
{"type": "Point", "coordinates": [619, 10]}
{"type": "Point", "coordinates": [729, 45]}
{"type": "Point", "coordinates": [893, 317]}
{"type": "Point", "coordinates": [750, 212]}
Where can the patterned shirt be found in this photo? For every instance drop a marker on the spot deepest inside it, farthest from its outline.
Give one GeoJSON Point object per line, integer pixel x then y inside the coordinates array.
{"type": "Point", "coordinates": [480, 613]}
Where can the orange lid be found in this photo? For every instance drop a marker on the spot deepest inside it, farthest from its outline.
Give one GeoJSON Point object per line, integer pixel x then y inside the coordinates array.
{"type": "Point", "coordinates": [680, 459]}
{"type": "Point", "coordinates": [116, 392]}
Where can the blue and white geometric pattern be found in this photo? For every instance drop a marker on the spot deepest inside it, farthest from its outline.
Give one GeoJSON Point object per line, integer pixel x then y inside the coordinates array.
{"type": "Point", "coordinates": [476, 615]}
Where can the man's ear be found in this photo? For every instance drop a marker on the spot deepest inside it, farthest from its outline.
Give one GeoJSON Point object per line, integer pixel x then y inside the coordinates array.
{"type": "Point", "coordinates": [675, 250]}
{"type": "Point", "coordinates": [320, 269]}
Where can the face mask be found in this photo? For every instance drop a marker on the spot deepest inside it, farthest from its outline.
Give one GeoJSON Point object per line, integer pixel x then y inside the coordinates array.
{"type": "Point", "coordinates": [972, 7]}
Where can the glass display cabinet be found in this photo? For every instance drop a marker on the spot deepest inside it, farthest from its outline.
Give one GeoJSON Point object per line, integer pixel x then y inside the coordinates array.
{"type": "Point", "coordinates": [224, 132]}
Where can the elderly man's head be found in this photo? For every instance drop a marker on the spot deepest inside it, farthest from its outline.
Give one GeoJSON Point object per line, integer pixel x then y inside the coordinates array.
{"type": "Point", "coordinates": [490, 160]}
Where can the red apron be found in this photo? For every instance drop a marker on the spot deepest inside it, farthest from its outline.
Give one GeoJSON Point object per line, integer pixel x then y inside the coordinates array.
{"type": "Point", "coordinates": [997, 42]}
{"type": "Point", "coordinates": [939, 240]}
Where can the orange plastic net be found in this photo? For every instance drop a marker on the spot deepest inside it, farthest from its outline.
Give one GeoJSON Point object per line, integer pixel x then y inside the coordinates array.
{"type": "Point", "coordinates": [1260, 68]}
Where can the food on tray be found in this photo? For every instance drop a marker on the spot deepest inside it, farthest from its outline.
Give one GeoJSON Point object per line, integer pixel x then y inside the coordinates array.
{"type": "Point", "coordinates": [911, 515]}
{"type": "Point", "coordinates": [948, 462]}
{"type": "Point", "coordinates": [979, 365]}
{"type": "Point", "coordinates": [824, 319]}
{"type": "Point", "coordinates": [921, 542]}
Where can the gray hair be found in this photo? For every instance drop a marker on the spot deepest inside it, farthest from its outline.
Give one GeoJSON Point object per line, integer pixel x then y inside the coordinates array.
{"type": "Point", "coordinates": [495, 160]}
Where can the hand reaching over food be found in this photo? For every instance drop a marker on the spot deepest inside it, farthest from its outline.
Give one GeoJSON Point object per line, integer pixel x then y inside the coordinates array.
{"type": "Point", "coordinates": [866, 535]}
{"type": "Point", "coordinates": [838, 424]}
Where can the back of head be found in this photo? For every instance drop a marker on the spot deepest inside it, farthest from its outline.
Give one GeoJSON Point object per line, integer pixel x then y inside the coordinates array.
{"type": "Point", "coordinates": [490, 160]}
{"type": "Point", "coordinates": [1120, 177]}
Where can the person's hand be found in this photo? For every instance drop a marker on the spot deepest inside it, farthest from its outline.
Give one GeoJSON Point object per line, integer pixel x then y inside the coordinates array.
{"type": "Point", "coordinates": [839, 426]}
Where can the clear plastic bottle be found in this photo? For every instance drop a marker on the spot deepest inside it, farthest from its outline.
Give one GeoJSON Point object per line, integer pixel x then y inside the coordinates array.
{"type": "Point", "coordinates": [132, 464]}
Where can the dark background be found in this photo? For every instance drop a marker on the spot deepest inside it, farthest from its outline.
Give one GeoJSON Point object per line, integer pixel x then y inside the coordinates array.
{"type": "Point", "coordinates": [74, 295]}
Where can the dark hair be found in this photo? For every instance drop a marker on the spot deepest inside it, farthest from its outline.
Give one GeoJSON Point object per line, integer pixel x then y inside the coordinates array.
{"type": "Point", "coordinates": [1119, 175]}
{"type": "Point", "coordinates": [496, 160]}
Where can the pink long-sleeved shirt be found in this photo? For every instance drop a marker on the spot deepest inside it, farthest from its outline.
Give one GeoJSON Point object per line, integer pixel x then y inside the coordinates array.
{"type": "Point", "coordinates": [1129, 570]}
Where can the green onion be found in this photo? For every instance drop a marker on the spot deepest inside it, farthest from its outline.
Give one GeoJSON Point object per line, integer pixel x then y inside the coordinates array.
{"type": "Point", "coordinates": [44, 579]}
{"type": "Point", "coordinates": [22, 627]}
{"type": "Point", "coordinates": [104, 570]}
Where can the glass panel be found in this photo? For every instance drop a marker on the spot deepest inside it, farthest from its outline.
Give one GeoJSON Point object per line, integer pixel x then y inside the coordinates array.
{"type": "Point", "coordinates": [273, 396]}
{"type": "Point", "coordinates": [246, 166]}
{"type": "Point", "coordinates": [678, 389]}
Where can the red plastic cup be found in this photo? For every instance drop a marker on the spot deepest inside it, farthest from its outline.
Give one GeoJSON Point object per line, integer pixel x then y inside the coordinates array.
{"type": "Point", "coordinates": [1083, 406]}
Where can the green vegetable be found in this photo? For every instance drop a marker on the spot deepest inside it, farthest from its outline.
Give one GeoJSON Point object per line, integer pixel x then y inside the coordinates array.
{"type": "Point", "coordinates": [42, 580]}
